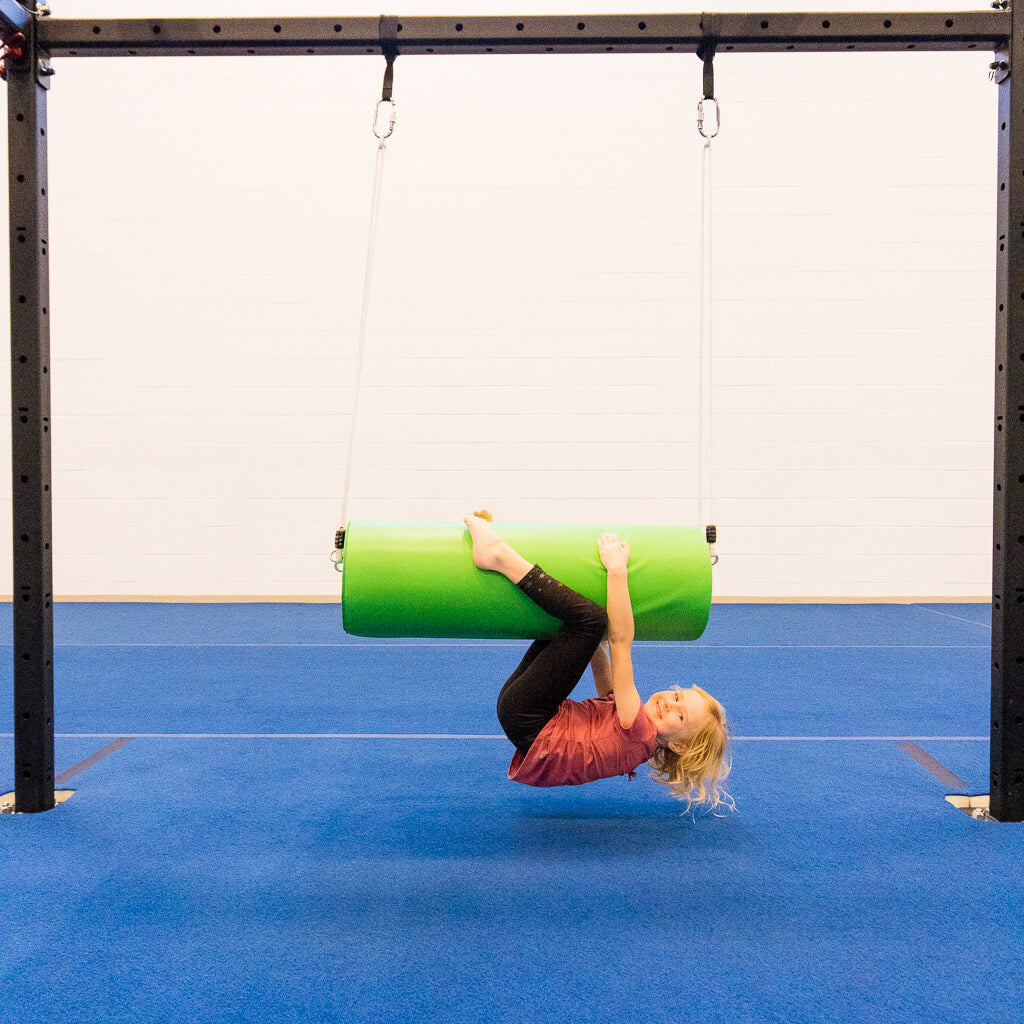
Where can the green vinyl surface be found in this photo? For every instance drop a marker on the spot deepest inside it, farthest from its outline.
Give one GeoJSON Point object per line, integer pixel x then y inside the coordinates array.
{"type": "Point", "coordinates": [407, 579]}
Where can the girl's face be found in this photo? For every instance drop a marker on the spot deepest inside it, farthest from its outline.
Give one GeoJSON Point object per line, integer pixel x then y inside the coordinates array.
{"type": "Point", "coordinates": [677, 714]}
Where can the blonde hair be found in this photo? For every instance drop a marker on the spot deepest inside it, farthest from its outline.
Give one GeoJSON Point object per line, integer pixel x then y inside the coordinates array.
{"type": "Point", "coordinates": [703, 764]}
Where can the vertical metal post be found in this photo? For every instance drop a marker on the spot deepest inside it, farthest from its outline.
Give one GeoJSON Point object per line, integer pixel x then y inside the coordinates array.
{"type": "Point", "coordinates": [27, 83]}
{"type": "Point", "coordinates": [1006, 799]}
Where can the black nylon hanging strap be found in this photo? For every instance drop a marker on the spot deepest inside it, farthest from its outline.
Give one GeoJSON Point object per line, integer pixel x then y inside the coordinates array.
{"type": "Point", "coordinates": [711, 33]}
{"type": "Point", "coordinates": [388, 34]}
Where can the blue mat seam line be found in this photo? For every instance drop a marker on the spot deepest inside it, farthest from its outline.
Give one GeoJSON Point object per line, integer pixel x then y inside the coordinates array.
{"type": "Point", "coordinates": [930, 764]}
{"type": "Point", "coordinates": [91, 760]}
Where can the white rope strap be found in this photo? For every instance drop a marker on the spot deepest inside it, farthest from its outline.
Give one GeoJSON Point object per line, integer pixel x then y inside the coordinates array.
{"type": "Point", "coordinates": [706, 340]}
{"type": "Point", "coordinates": [337, 555]}
{"type": "Point", "coordinates": [371, 245]}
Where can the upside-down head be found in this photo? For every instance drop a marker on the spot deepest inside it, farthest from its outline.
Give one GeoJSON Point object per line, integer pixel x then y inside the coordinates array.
{"type": "Point", "coordinates": [693, 757]}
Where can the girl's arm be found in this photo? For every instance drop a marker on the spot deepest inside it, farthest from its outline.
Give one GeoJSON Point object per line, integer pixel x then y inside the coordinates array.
{"type": "Point", "coordinates": [627, 700]}
{"type": "Point", "coordinates": [602, 670]}
{"type": "Point", "coordinates": [620, 610]}
{"type": "Point", "coordinates": [620, 637]}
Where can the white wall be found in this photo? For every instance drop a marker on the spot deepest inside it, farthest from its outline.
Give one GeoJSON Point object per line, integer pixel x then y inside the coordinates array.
{"type": "Point", "coordinates": [534, 336]}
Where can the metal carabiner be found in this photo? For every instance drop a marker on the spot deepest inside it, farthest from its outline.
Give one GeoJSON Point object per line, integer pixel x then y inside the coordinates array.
{"type": "Point", "coordinates": [711, 536]}
{"type": "Point", "coordinates": [338, 554]}
{"type": "Point", "coordinates": [700, 118]}
{"type": "Point", "coordinates": [391, 120]}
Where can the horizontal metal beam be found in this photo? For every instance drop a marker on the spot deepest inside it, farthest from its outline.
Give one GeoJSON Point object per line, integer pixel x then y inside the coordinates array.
{"type": "Point", "coordinates": [633, 33]}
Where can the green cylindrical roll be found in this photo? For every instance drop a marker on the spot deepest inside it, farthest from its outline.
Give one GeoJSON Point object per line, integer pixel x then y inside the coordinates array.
{"type": "Point", "coordinates": [419, 580]}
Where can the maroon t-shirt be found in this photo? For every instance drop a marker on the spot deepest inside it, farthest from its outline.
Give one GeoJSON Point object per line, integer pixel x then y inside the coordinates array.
{"type": "Point", "coordinates": [584, 742]}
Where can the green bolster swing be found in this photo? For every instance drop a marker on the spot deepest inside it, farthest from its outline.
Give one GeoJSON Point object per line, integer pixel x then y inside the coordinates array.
{"type": "Point", "coordinates": [418, 580]}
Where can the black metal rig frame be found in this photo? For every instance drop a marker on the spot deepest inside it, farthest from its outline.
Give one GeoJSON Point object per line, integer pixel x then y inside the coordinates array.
{"type": "Point", "coordinates": [28, 78]}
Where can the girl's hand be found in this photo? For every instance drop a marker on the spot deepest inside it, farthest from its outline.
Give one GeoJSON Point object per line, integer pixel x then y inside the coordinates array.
{"type": "Point", "coordinates": [614, 552]}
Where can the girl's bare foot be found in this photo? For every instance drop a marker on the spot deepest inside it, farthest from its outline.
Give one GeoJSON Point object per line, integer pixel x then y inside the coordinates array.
{"type": "Point", "coordinates": [488, 547]}
{"type": "Point", "coordinates": [490, 551]}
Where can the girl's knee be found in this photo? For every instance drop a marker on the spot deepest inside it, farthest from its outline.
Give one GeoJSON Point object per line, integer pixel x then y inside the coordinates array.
{"type": "Point", "coordinates": [511, 722]}
{"type": "Point", "coordinates": [594, 620]}
{"type": "Point", "coordinates": [507, 713]}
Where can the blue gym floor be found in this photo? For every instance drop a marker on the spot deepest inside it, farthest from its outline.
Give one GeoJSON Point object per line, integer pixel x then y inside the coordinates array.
{"type": "Point", "coordinates": [309, 827]}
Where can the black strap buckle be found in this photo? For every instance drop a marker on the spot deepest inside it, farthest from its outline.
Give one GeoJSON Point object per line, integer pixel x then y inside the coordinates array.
{"type": "Point", "coordinates": [711, 33]}
{"type": "Point", "coordinates": [387, 32]}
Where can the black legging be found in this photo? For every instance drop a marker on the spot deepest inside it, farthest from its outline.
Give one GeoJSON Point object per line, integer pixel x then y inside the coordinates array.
{"type": "Point", "coordinates": [552, 666]}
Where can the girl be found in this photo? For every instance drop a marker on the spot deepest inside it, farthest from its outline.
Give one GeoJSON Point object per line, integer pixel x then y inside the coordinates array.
{"type": "Point", "coordinates": [683, 734]}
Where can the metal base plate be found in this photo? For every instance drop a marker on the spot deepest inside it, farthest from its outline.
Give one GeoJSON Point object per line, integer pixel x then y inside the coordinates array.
{"type": "Point", "coordinates": [973, 806]}
{"type": "Point", "coordinates": [7, 800]}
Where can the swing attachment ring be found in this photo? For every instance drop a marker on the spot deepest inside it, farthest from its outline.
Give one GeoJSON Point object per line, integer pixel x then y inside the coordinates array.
{"type": "Point", "coordinates": [337, 556]}
{"type": "Point", "coordinates": [392, 116]}
{"type": "Point", "coordinates": [711, 536]}
{"type": "Point", "coordinates": [700, 117]}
